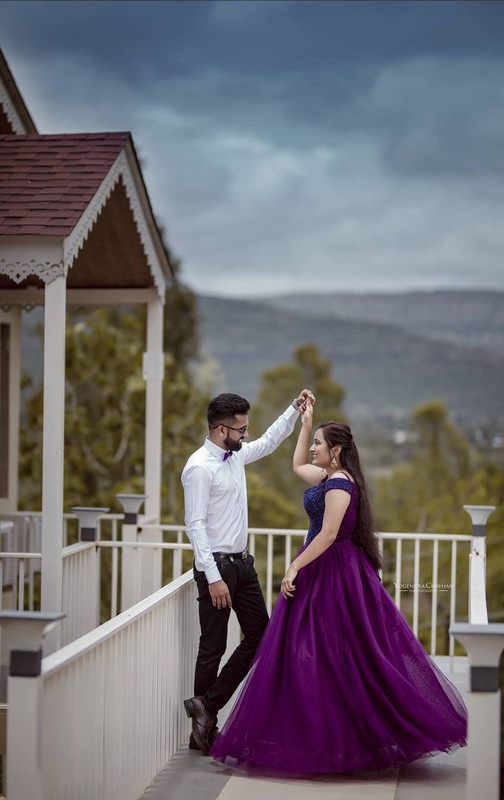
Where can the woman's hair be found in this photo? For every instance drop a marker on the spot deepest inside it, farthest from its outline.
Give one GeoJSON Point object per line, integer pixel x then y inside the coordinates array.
{"type": "Point", "coordinates": [226, 406]}
{"type": "Point", "coordinates": [336, 433]}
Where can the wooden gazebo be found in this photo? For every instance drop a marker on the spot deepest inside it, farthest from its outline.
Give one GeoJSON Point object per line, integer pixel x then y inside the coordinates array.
{"type": "Point", "coordinates": [76, 227]}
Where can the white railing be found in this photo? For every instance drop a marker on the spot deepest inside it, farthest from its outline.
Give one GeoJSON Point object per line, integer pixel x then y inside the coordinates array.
{"type": "Point", "coordinates": [416, 574]}
{"type": "Point", "coordinates": [413, 578]}
{"type": "Point", "coordinates": [112, 714]}
{"type": "Point", "coordinates": [20, 560]}
{"type": "Point", "coordinates": [81, 590]}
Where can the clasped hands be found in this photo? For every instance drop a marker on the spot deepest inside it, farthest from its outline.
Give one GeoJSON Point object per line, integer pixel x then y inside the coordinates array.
{"type": "Point", "coordinates": [305, 399]}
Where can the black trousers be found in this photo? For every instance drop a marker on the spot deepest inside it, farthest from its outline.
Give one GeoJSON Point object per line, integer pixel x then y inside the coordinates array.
{"type": "Point", "coordinates": [213, 687]}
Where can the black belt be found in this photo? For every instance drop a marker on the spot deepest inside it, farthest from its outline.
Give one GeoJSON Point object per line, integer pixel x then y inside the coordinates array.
{"type": "Point", "coordinates": [231, 556]}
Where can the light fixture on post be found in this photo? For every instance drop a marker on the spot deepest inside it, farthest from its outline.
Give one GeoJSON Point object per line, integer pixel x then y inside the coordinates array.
{"type": "Point", "coordinates": [131, 505]}
{"type": "Point", "coordinates": [131, 590]}
{"type": "Point", "coordinates": [88, 521]}
{"type": "Point", "coordinates": [478, 614]}
{"type": "Point", "coordinates": [479, 516]}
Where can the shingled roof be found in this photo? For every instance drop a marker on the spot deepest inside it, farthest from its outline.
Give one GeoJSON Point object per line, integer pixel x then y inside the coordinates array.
{"type": "Point", "coordinates": [47, 181]}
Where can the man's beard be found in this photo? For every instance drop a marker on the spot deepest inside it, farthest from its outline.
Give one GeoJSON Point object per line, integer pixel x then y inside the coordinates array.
{"type": "Point", "coordinates": [232, 444]}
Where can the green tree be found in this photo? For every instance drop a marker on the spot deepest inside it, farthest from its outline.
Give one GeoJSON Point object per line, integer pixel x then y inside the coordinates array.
{"type": "Point", "coordinates": [424, 493]}
{"type": "Point", "coordinates": [278, 387]}
{"type": "Point", "coordinates": [428, 494]}
{"type": "Point", "coordinates": [105, 407]}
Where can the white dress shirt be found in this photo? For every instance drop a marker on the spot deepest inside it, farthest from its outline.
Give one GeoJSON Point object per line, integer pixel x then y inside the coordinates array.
{"type": "Point", "coordinates": [215, 493]}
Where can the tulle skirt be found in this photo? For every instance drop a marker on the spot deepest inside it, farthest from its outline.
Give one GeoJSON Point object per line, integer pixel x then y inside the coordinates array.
{"type": "Point", "coordinates": [340, 683]}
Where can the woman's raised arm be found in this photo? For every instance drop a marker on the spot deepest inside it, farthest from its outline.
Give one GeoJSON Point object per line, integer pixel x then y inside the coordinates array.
{"type": "Point", "coordinates": [301, 459]}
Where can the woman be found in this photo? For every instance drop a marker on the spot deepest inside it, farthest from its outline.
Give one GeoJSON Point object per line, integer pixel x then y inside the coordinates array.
{"type": "Point", "coordinates": [339, 683]}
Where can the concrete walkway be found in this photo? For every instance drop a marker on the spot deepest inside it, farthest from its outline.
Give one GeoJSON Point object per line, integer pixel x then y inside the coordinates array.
{"type": "Point", "coordinates": [192, 776]}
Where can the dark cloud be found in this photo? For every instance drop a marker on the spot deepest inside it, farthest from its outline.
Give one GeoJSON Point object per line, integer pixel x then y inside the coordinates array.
{"type": "Point", "coordinates": [367, 135]}
{"type": "Point", "coordinates": [148, 38]}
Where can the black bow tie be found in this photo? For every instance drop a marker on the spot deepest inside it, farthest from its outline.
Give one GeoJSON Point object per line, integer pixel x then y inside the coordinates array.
{"type": "Point", "coordinates": [227, 455]}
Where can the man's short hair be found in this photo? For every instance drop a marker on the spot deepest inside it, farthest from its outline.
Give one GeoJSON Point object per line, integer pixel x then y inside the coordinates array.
{"type": "Point", "coordinates": [226, 406]}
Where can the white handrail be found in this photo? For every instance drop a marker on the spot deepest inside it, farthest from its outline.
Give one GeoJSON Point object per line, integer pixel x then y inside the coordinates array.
{"type": "Point", "coordinates": [112, 714]}
{"type": "Point", "coordinates": [83, 615]}
{"type": "Point", "coordinates": [85, 643]}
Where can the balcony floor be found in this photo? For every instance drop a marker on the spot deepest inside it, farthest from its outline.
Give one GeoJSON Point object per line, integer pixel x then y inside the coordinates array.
{"type": "Point", "coordinates": [192, 776]}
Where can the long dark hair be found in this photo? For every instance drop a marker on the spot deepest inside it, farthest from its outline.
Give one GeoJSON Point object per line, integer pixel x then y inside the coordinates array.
{"type": "Point", "coordinates": [336, 433]}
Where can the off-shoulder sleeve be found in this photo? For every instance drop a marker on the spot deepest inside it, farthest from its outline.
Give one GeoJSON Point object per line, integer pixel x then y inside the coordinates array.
{"type": "Point", "coordinates": [339, 483]}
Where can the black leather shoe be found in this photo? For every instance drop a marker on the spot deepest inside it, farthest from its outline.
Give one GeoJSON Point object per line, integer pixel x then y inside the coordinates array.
{"type": "Point", "coordinates": [202, 723]}
{"type": "Point", "coordinates": [193, 745]}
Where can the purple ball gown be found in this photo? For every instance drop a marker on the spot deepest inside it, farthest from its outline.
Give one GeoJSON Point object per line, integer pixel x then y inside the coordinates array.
{"type": "Point", "coordinates": [339, 682]}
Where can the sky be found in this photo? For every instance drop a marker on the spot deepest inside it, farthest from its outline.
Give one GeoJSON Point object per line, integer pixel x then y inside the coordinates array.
{"type": "Point", "coordinates": [291, 146]}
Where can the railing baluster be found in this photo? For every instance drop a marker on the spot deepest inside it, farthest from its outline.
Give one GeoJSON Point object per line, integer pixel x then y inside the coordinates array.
{"type": "Point", "coordinates": [269, 573]}
{"type": "Point", "coordinates": [115, 582]}
{"type": "Point", "coordinates": [453, 592]}
{"type": "Point", "coordinates": [15, 587]}
{"type": "Point", "coordinates": [21, 583]}
{"type": "Point", "coordinates": [416, 581]}
{"type": "Point", "coordinates": [434, 597]}
{"type": "Point", "coordinates": [177, 558]}
{"type": "Point", "coordinates": [398, 573]}
{"type": "Point", "coordinates": [288, 551]}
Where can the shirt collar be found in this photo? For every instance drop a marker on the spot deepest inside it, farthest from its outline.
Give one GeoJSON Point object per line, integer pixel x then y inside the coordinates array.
{"type": "Point", "coordinates": [217, 451]}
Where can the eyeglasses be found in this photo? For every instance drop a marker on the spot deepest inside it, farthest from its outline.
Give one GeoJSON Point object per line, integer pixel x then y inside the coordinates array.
{"type": "Point", "coordinates": [230, 428]}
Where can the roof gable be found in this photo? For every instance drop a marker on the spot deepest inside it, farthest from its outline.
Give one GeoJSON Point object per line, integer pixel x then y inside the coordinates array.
{"type": "Point", "coordinates": [53, 189]}
{"type": "Point", "coordinates": [47, 182]}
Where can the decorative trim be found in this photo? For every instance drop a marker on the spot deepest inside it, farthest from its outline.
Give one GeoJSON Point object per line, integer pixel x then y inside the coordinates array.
{"type": "Point", "coordinates": [74, 242]}
{"type": "Point", "coordinates": [479, 530]}
{"type": "Point", "coordinates": [10, 111]}
{"type": "Point", "coordinates": [18, 271]}
{"type": "Point", "coordinates": [49, 270]}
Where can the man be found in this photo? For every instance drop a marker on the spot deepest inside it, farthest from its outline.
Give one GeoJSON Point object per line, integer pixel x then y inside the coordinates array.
{"type": "Point", "coordinates": [217, 525]}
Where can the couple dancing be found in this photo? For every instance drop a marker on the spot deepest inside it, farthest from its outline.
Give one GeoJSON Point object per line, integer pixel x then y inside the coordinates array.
{"type": "Point", "coordinates": [337, 681]}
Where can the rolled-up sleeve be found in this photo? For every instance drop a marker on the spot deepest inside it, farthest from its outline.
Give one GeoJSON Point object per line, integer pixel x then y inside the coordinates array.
{"type": "Point", "coordinates": [197, 482]}
{"type": "Point", "coordinates": [275, 435]}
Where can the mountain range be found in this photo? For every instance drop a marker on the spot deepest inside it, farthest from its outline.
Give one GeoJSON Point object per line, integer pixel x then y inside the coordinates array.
{"type": "Point", "coordinates": [391, 352]}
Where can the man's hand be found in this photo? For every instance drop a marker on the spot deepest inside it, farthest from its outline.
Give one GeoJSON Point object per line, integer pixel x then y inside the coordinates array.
{"type": "Point", "coordinates": [219, 593]}
{"type": "Point", "coordinates": [306, 395]}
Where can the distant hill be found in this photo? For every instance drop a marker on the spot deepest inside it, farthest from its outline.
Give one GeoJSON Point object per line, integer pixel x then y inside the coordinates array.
{"type": "Point", "coordinates": [391, 352]}
{"type": "Point", "coordinates": [461, 317]}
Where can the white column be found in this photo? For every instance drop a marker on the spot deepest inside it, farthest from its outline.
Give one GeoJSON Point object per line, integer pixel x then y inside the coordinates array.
{"type": "Point", "coordinates": [11, 416]}
{"type": "Point", "coordinates": [478, 613]}
{"type": "Point", "coordinates": [22, 634]}
{"type": "Point", "coordinates": [15, 404]}
{"type": "Point", "coordinates": [153, 373]}
{"type": "Point", "coordinates": [53, 442]}
{"type": "Point", "coordinates": [484, 645]}
{"type": "Point", "coordinates": [24, 767]}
